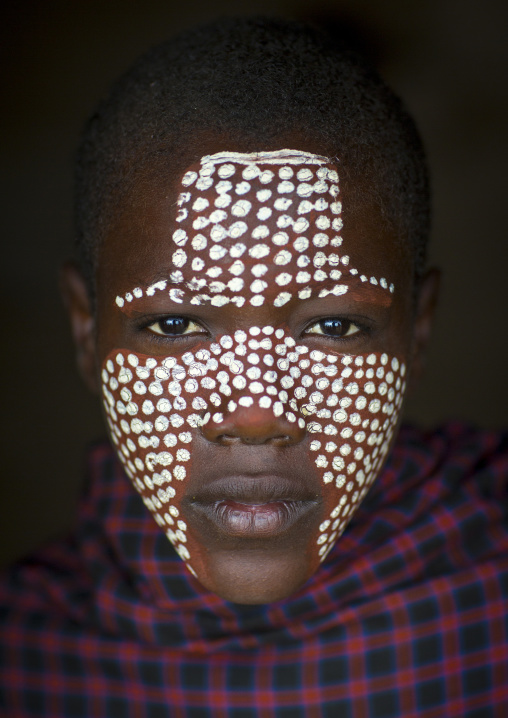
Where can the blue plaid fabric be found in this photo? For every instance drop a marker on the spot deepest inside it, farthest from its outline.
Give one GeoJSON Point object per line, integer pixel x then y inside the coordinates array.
{"type": "Point", "coordinates": [407, 617]}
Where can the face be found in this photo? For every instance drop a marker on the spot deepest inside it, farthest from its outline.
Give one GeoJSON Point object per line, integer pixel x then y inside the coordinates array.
{"type": "Point", "coordinates": [253, 340]}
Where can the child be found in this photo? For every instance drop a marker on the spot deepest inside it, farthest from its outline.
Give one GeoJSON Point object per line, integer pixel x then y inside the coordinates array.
{"type": "Point", "coordinates": [251, 304]}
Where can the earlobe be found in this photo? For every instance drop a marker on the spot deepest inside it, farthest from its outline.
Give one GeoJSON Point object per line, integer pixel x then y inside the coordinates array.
{"type": "Point", "coordinates": [76, 299]}
{"type": "Point", "coordinates": [426, 302]}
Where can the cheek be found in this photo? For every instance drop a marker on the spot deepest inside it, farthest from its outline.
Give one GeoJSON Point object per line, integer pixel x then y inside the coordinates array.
{"type": "Point", "coordinates": [349, 406]}
{"type": "Point", "coordinates": [353, 419]}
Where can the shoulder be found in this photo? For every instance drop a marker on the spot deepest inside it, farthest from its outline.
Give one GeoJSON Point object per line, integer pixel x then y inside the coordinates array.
{"type": "Point", "coordinates": [454, 453]}
{"type": "Point", "coordinates": [440, 505]}
{"type": "Point", "coordinates": [51, 581]}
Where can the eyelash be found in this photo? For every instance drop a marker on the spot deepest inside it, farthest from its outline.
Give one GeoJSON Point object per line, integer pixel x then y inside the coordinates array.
{"type": "Point", "coordinates": [362, 329]}
{"type": "Point", "coordinates": [164, 338]}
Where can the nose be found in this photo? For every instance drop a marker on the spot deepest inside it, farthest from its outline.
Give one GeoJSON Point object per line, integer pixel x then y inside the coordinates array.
{"type": "Point", "coordinates": [252, 425]}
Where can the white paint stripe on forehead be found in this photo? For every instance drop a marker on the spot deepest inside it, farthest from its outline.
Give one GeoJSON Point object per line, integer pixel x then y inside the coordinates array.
{"type": "Point", "coordinates": [273, 157]}
{"type": "Point", "coordinates": [288, 244]}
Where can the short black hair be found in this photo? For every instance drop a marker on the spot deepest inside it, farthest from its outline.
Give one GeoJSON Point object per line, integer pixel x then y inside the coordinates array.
{"type": "Point", "coordinates": [257, 78]}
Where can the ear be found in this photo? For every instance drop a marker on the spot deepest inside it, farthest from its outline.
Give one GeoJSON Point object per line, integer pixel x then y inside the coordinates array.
{"type": "Point", "coordinates": [426, 301]}
{"type": "Point", "coordinates": [76, 299]}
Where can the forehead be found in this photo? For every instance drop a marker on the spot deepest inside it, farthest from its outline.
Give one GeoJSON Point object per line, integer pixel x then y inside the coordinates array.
{"type": "Point", "coordinates": [251, 228]}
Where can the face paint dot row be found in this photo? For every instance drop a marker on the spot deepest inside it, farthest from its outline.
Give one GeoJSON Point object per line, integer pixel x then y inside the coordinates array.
{"type": "Point", "coordinates": [213, 222]}
{"type": "Point", "coordinates": [349, 404]}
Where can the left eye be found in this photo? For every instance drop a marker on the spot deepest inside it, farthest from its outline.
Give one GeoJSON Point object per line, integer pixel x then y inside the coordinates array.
{"type": "Point", "coordinates": [334, 327]}
{"type": "Point", "coordinates": [175, 326]}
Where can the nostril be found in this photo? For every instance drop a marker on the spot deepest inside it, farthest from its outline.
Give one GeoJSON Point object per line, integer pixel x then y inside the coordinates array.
{"type": "Point", "coordinates": [227, 440]}
{"type": "Point", "coordinates": [285, 440]}
{"type": "Point", "coordinates": [282, 440]}
{"type": "Point", "coordinates": [253, 425]}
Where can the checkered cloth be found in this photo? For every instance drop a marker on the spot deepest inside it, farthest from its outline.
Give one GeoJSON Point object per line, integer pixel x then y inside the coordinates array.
{"type": "Point", "coordinates": [407, 617]}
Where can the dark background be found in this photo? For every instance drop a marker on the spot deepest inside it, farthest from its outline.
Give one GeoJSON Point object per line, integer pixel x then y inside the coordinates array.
{"type": "Point", "coordinates": [447, 58]}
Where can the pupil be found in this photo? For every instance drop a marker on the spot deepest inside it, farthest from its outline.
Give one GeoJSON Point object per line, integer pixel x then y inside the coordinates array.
{"type": "Point", "coordinates": [174, 325]}
{"type": "Point", "coordinates": [334, 327]}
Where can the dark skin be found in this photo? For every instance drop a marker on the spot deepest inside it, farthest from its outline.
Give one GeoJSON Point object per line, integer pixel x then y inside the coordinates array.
{"type": "Point", "coordinates": [137, 250]}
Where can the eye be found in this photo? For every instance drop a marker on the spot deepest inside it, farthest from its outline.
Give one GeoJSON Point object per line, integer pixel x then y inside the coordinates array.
{"type": "Point", "coordinates": [175, 327]}
{"type": "Point", "coordinates": [334, 327]}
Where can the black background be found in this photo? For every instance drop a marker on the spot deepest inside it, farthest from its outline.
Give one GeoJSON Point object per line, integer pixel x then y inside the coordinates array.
{"type": "Point", "coordinates": [447, 58]}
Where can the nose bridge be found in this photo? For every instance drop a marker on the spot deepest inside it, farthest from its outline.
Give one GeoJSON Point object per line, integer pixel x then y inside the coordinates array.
{"type": "Point", "coordinates": [253, 401]}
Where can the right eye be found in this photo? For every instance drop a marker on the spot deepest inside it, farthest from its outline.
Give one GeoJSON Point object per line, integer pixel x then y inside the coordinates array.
{"type": "Point", "coordinates": [175, 327]}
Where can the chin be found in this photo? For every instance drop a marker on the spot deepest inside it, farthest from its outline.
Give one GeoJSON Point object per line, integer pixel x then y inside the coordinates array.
{"type": "Point", "coordinates": [255, 577]}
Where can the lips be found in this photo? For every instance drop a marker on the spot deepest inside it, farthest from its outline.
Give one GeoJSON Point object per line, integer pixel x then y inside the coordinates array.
{"type": "Point", "coordinates": [252, 506]}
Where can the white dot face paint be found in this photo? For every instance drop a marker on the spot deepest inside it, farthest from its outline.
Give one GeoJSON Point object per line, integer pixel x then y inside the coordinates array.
{"type": "Point", "coordinates": [270, 211]}
{"type": "Point", "coordinates": [311, 388]}
{"type": "Point", "coordinates": [257, 229]}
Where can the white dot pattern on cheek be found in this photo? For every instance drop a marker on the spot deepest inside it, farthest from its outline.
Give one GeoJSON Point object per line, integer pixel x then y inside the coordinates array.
{"type": "Point", "coordinates": [297, 197]}
{"type": "Point", "coordinates": [349, 404]}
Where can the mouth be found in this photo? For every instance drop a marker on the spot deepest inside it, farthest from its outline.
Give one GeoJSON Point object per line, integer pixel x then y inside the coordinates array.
{"type": "Point", "coordinates": [253, 506]}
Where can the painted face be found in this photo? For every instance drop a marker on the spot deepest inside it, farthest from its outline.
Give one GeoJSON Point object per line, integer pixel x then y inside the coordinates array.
{"type": "Point", "coordinates": [254, 233]}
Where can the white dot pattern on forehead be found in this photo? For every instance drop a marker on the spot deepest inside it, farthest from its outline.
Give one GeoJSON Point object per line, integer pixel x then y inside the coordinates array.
{"type": "Point", "coordinates": [231, 197]}
{"type": "Point", "coordinates": [349, 404]}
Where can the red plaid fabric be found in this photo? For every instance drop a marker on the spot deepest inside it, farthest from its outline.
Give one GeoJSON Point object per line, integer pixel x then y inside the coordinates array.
{"type": "Point", "coordinates": [407, 617]}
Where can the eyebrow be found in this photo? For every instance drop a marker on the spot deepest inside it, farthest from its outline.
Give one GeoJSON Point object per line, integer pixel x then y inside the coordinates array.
{"type": "Point", "coordinates": [359, 287]}
{"type": "Point", "coordinates": [372, 293]}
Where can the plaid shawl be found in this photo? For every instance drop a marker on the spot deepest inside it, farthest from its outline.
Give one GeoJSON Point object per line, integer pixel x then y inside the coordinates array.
{"type": "Point", "coordinates": [408, 616]}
